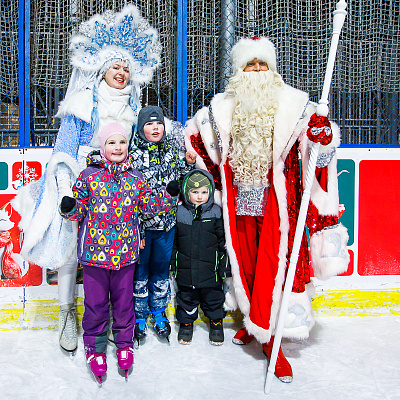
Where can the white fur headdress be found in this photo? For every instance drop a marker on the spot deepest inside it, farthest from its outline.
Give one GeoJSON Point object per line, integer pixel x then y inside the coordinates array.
{"type": "Point", "coordinates": [246, 49]}
{"type": "Point", "coordinates": [123, 35]}
{"type": "Point", "coordinates": [108, 37]}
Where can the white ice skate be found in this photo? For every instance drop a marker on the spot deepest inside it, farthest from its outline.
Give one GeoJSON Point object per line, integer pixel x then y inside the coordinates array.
{"type": "Point", "coordinates": [67, 328]}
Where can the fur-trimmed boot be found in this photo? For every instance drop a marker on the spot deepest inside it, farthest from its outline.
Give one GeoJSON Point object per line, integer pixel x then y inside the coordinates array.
{"type": "Point", "coordinates": [67, 328]}
{"type": "Point", "coordinates": [283, 370]}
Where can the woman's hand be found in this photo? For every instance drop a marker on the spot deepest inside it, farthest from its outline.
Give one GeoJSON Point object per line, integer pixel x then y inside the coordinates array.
{"type": "Point", "coordinates": [141, 245]}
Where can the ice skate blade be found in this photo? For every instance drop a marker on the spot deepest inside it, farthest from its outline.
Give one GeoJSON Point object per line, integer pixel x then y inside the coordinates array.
{"type": "Point", "coordinates": [98, 380]}
{"type": "Point", "coordinates": [69, 353]}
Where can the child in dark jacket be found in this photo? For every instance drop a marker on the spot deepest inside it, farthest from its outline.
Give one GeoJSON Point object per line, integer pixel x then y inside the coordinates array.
{"type": "Point", "coordinates": [109, 196]}
{"type": "Point", "coordinates": [199, 258]}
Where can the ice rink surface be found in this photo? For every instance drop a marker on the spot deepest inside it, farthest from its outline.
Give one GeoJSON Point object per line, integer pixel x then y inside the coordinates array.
{"type": "Point", "coordinates": [352, 358]}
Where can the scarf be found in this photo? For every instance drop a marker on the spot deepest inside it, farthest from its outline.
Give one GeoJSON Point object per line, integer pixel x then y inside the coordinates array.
{"type": "Point", "coordinates": [112, 103]}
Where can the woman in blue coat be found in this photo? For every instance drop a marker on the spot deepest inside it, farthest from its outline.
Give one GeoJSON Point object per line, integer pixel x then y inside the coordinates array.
{"type": "Point", "coordinates": [112, 56]}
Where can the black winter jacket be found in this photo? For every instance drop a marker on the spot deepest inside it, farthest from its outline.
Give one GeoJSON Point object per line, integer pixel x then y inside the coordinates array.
{"type": "Point", "coordinates": [199, 257]}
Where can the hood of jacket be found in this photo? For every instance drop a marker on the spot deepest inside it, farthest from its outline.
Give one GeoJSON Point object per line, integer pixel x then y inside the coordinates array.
{"type": "Point", "coordinates": [94, 159]}
{"type": "Point", "coordinates": [209, 203]}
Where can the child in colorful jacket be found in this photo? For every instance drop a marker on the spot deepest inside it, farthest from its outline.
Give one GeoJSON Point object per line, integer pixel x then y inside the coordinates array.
{"type": "Point", "coordinates": [109, 196]}
{"type": "Point", "coordinates": [158, 158]}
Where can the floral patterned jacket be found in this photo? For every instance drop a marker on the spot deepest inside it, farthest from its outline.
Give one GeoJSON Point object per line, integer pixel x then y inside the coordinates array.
{"type": "Point", "coordinates": [110, 198]}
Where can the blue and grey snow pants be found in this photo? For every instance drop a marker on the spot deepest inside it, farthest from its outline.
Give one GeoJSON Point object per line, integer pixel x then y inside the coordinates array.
{"type": "Point", "coordinates": [151, 282]}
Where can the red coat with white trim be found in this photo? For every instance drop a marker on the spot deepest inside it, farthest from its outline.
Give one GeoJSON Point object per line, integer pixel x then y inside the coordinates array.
{"type": "Point", "coordinates": [209, 135]}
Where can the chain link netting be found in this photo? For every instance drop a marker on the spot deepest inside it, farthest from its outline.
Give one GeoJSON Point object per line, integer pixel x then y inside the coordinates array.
{"type": "Point", "coordinates": [364, 97]}
{"type": "Point", "coordinates": [53, 22]}
{"type": "Point", "coordinates": [9, 113]}
{"type": "Point", "coordinates": [366, 84]}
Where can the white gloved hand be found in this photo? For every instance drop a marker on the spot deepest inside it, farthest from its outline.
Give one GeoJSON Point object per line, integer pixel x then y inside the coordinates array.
{"type": "Point", "coordinates": [64, 189]}
{"type": "Point", "coordinates": [329, 254]}
{"type": "Point", "coordinates": [230, 298]}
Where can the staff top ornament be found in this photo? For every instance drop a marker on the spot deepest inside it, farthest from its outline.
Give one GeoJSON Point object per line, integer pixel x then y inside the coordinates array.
{"type": "Point", "coordinates": [121, 35]}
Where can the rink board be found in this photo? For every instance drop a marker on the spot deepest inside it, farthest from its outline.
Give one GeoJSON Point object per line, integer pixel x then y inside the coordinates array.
{"type": "Point", "coordinates": [369, 184]}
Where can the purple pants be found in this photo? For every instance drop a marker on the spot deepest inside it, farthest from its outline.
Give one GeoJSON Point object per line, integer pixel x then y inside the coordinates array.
{"type": "Point", "coordinates": [102, 285]}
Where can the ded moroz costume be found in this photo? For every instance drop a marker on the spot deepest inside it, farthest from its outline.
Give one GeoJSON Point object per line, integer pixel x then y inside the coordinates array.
{"type": "Point", "coordinates": [252, 138]}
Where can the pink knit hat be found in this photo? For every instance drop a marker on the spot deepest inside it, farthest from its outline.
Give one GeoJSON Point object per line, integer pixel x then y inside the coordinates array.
{"type": "Point", "coordinates": [109, 130]}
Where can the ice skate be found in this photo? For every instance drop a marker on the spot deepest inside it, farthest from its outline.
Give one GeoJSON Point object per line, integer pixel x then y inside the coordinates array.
{"type": "Point", "coordinates": [98, 366]}
{"type": "Point", "coordinates": [160, 323]}
{"type": "Point", "coordinates": [140, 329]}
{"type": "Point", "coordinates": [216, 335]}
{"type": "Point", "coordinates": [283, 370]}
{"type": "Point", "coordinates": [185, 333]}
{"type": "Point", "coordinates": [242, 337]}
{"type": "Point", "coordinates": [125, 359]}
{"type": "Point", "coordinates": [67, 328]}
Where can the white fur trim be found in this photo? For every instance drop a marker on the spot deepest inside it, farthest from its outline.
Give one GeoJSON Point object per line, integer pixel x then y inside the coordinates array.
{"type": "Point", "coordinates": [208, 135]}
{"type": "Point", "coordinates": [247, 49]}
{"type": "Point", "coordinates": [230, 303]}
{"type": "Point", "coordinates": [329, 252]}
{"type": "Point", "coordinates": [35, 226]}
{"type": "Point", "coordinates": [299, 318]}
{"type": "Point", "coordinates": [80, 104]}
{"type": "Point", "coordinates": [327, 202]}
{"type": "Point", "coordinates": [288, 119]}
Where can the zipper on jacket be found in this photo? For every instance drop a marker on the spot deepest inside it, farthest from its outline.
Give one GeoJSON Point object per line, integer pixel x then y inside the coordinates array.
{"type": "Point", "coordinates": [84, 239]}
{"type": "Point", "coordinates": [216, 266]}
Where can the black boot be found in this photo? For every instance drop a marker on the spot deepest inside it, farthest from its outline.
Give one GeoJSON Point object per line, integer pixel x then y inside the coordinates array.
{"type": "Point", "coordinates": [216, 332]}
{"type": "Point", "coordinates": [160, 323]}
{"type": "Point", "coordinates": [140, 329]}
{"type": "Point", "coordinates": [185, 333]}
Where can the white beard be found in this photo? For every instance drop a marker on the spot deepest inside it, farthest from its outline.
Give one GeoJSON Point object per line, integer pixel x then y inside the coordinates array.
{"type": "Point", "coordinates": [252, 128]}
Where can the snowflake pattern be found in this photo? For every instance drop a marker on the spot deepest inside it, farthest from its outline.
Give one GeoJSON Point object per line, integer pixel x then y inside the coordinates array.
{"type": "Point", "coordinates": [24, 175]}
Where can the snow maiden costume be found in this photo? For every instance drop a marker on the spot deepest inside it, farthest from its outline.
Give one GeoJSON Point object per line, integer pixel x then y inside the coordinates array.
{"type": "Point", "coordinates": [89, 104]}
{"type": "Point", "coordinates": [269, 211]}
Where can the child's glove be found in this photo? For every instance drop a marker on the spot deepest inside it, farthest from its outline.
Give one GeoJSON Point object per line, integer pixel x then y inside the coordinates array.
{"type": "Point", "coordinates": [67, 204]}
{"type": "Point", "coordinates": [173, 188]}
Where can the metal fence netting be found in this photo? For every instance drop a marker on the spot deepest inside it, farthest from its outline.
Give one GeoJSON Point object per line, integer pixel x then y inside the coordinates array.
{"type": "Point", "coordinates": [9, 113]}
{"type": "Point", "coordinates": [366, 84]}
{"type": "Point", "coordinates": [364, 97]}
{"type": "Point", "coordinates": [54, 21]}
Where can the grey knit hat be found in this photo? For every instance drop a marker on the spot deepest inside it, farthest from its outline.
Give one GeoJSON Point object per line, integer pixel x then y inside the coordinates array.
{"type": "Point", "coordinates": [149, 114]}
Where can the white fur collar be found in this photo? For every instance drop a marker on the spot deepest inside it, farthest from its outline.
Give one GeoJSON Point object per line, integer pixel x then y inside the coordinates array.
{"type": "Point", "coordinates": [291, 105]}
{"type": "Point", "coordinates": [80, 105]}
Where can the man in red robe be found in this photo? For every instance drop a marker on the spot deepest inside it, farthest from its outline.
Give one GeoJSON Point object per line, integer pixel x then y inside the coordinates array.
{"type": "Point", "coordinates": [252, 138]}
